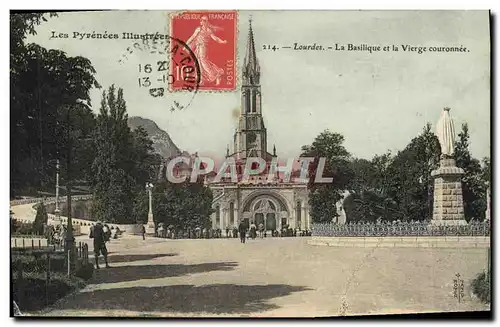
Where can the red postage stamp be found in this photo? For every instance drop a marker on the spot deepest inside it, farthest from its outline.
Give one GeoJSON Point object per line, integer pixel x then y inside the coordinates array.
{"type": "Point", "coordinates": [211, 36]}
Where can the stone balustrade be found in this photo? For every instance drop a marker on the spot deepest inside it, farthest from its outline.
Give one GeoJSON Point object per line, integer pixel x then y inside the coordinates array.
{"type": "Point", "coordinates": [81, 226]}
{"type": "Point", "coordinates": [48, 200]}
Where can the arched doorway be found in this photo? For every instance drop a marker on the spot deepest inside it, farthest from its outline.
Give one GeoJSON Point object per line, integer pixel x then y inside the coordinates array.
{"type": "Point", "coordinates": [265, 211]}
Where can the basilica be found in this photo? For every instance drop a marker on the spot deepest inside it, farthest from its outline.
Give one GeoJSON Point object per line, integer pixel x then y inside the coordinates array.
{"type": "Point", "coordinates": [275, 203]}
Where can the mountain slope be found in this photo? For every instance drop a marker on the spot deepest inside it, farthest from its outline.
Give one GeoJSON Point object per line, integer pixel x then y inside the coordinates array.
{"type": "Point", "coordinates": [162, 143]}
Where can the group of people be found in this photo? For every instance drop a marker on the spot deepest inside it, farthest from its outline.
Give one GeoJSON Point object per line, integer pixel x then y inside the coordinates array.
{"type": "Point", "coordinates": [55, 234]}
{"type": "Point", "coordinates": [253, 230]}
{"type": "Point", "coordinates": [191, 233]}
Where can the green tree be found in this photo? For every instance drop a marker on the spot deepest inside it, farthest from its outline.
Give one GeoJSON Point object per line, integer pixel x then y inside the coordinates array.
{"type": "Point", "coordinates": [409, 181]}
{"type": "Point", "coordinates": [113, 167]}
{"type": "Point", "coordinates": [146, 162]}
{"type": "Point", "coordinates": [43, 84]}
{"type": "Point", "coordinates": [369, 206]}
{"type": "Point", "coordinates": [473, 180]}
{"type": "Point", "coordinates": [41, 219]}
{"type": "Point", "coordinates": [364, 175]}
{"type": "Point", "coordinates": [322, 196]}
{"type": "Point", "coordinates": [486, 170]}
{"type": "Point", "coordinates": [369, 199]}
{"type": "Point", "coordinates": [124, 161]}
{"type": "Point", "coordinates": [141, 205]}
{"type": "Point", "coordinates": [179, 204]}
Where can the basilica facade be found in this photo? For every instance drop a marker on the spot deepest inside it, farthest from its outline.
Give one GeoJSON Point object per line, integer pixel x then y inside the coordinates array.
{"type": "Point", "coordinates": [274, 203]}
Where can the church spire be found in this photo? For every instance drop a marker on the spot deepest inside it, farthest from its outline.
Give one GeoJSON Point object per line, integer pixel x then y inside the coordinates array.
{"type": "Point", "coordinates": [251, 68]}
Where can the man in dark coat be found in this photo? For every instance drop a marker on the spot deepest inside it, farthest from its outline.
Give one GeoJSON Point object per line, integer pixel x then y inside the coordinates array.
{"type": "Point", "coordinates": [242, 229]}
{"type": "Point", "coordinates": [97, 233]}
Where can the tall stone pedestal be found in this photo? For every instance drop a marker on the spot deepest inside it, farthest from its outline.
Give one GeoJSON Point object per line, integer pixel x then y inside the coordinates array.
{"type": "Point", "coordinates": [56, 221]}
{"type": "Point", "coordinates": [150, 226]}
{"type": "Point", "coordinates": [448, 201]}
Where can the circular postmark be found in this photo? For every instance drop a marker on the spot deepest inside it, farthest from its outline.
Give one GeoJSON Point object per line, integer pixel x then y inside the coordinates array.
{"type": "Point", "coordinates": [165, 68]}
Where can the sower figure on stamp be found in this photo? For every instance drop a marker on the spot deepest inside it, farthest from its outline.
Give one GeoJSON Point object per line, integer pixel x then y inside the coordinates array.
{"type": "Point", "coordinates": [242, 229]}
{"type": "Point", "coordinates": [97, 233]}
{"type": "Point", "coordinates": [198, 42]}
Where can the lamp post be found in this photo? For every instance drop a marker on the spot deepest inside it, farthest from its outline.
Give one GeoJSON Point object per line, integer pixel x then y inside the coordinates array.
{"type": "Point", "coordinates": [488, 205]}
{"type": "Point", "coordinates": [57, 212]}
{"type": "Point", "coordinates": [150, 224]}
{"type": "Point", "coordinates": [487, 219]}
{"type": "Point", "coordinates": [70, 239]}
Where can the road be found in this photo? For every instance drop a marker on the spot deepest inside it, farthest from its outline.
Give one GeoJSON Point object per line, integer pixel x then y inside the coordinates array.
{"type": "Point", "coordinates": [272, 277]}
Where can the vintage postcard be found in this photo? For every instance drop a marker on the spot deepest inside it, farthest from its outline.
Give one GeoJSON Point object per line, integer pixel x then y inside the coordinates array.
{"type": "Point", "coordinates": [231, 163]}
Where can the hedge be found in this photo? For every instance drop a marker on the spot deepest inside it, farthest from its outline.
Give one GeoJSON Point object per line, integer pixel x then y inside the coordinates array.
{"type": "Point", "coordinates": [85, 272]}
{"type": "Point", "coordinates": [30, 292]}
{"type": "Point", "coordinates": [37, 262]}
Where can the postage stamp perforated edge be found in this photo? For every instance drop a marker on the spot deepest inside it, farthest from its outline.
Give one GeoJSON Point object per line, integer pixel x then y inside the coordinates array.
{"type": "Point", "coordinates": [236, 56]}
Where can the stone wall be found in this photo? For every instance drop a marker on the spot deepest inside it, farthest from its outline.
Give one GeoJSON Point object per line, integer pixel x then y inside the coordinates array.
{"type": "Point", "coordinates": [82, 226]}
{"type": "Point", "coordinates": [79, 209]}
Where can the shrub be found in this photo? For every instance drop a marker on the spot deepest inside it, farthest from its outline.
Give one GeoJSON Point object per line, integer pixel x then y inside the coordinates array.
{"type": "Point", "coordinates": [32, 292]}
{"type": "Point", "coordinates": [481, 287]}
{"type": "Point", "coordinates": [23, 228]}
{"type": "Point", "coordinates": [36, 262]}
{"type": "Point", "coordinates": [85, 272]}
{"type": "Point", "coordinates": [14, 225]}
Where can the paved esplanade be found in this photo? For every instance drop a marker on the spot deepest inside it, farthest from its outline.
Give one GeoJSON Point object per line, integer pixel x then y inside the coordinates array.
{"type": "Point", "coordinates": [271, 277]}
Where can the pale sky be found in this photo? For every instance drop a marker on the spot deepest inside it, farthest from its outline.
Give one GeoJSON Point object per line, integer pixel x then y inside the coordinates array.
{"type": "Point", "coordinates": [378, 101]}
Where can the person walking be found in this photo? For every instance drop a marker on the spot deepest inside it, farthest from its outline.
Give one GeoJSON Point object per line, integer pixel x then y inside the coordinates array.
{"type": "Point", "coordinates": [253, 231]}
{"type": "Point", "coordinates": [242, 229]}
{"type": "Point", "coordinates": [143, 231]}
{"type": "Point", "coordinates": [97, 233]}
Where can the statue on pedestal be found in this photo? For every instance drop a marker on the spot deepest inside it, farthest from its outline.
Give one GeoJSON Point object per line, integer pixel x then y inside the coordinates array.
{"type": "Point", "coordinates": [445, 131]}
{"type": "Point", "coordinates": [448, 202]}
